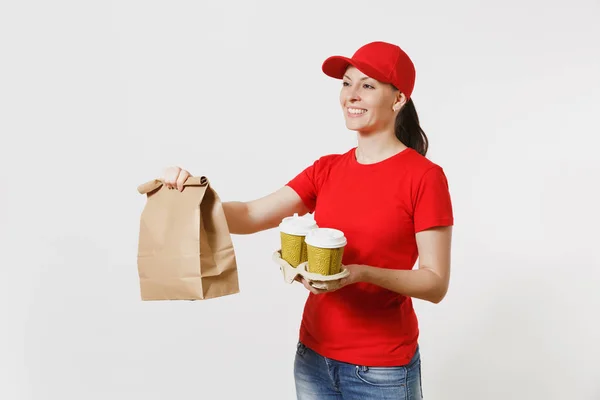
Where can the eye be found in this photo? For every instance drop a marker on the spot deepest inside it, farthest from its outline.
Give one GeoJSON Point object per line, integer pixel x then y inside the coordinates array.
{"type": "Point", "coordinates": [345, 83]}
{"type": "Point", "coordinates": [367, 86]}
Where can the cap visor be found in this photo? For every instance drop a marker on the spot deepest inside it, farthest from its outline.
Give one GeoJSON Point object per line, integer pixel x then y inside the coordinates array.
{"type": "Point", "coordinates": [336, 66]}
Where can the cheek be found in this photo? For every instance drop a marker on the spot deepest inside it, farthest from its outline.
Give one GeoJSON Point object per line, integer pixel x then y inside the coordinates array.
{"type": "Point", "coordinates": [382, 106]}
{"type": "Point", "coordinates": [380, 112]}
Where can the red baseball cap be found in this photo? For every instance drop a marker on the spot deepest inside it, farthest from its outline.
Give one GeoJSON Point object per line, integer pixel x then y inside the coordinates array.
{"type": "Point", "coordinates": [383, 61]}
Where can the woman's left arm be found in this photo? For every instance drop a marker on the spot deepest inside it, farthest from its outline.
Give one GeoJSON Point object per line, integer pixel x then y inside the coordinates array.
{"type": "Point", "coordinates": [429, 282]}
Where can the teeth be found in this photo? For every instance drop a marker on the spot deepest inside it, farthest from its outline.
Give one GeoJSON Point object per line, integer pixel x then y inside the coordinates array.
{"type": "Point", "coordinates": [356, 111]}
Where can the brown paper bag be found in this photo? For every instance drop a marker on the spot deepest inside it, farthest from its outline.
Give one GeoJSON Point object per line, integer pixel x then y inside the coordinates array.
{"type": "Point", "coordinates": [185, 251]}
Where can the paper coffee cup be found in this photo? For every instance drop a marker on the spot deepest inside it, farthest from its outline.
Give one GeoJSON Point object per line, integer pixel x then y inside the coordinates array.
{"type": "Point", "coordinates": [292, 231]}
{"type": "Point", "coordinates": [325, 247]}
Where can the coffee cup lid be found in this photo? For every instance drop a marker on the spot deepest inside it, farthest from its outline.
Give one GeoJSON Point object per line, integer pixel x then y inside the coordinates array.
{"type": "Point", "coordinates": [326, 238]}
{"type": "Point", "coordinates": [296, 225]}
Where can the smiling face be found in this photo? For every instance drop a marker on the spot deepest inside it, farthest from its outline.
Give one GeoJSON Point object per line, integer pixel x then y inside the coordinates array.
{"type": "Point", "coordinates": [368, 105]}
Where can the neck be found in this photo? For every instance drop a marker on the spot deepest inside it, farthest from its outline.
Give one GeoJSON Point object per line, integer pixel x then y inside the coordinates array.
{"type": "Point", "coordinates": [377, 146]}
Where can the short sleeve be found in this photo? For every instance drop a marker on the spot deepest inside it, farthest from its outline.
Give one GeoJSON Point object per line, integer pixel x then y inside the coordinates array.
{"type": "Point", "coordinates": [305, 184]}
{"type": "Point", "coordinates": [433, 205]}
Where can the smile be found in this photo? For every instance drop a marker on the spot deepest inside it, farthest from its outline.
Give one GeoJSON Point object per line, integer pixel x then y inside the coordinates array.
{"type": "Point", "coordinates": [356, 111]}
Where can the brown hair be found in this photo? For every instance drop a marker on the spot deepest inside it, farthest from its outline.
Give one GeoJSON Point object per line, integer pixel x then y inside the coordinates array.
{"type": "Point", "coordinates": [408, 130]}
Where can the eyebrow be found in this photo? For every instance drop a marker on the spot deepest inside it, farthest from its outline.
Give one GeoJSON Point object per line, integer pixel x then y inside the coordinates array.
{"type": "Point", "coordinates": [361, 79]}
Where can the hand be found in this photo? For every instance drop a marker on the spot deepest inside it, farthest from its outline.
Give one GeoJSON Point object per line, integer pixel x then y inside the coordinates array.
{"type": "Point", "coordinates": [356, 275]}
{"type": "Point", "coordinates": [175, 177]}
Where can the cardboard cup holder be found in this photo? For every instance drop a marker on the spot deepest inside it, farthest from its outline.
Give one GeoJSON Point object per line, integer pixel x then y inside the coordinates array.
{"type": "Point", "coordinates": [318, 281]}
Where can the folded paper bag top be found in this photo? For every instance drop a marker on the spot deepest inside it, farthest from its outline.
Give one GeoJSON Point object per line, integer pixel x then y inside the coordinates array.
{"type": "Point", "coordinates": [148, 187]}
{"type": "Point", "coordinates": [185, 251]}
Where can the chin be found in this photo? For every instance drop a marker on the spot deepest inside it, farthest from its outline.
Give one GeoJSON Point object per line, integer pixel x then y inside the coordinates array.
{"type": "Point", "coordinates": [354, 127]}
{"type": "Point", "coordinates": [359, 129]}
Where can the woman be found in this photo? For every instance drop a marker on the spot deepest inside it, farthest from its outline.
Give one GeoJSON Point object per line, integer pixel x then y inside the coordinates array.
{"type": "Point", "coordinates": [393, 204]}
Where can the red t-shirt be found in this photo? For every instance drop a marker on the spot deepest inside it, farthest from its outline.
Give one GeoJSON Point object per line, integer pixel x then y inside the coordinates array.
{"type": "Point", "coordinates": [379, 207]}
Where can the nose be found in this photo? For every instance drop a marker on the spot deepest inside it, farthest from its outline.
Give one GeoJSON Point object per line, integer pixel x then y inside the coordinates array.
{"type": "Point", "coordinates": [352, 95]}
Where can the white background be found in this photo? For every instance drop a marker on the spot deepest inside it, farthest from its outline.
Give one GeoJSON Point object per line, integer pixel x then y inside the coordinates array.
{"type": "Point", "coordinates": [97, 97]}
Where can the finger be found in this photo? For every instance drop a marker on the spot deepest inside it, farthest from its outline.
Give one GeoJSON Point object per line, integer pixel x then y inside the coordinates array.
{"type": "Point", "coordinates": [171, 176]}
{"type": "Point", "coordinates": [183, 175]}
{"type": "Point", "coordinates": [314, 289]}
{"type": "Point", "coordinates": [305, 283]}
{"type": "Point", "coordinates": [319, 291]}
{"type": "Point", "coordinates": [307, 286]}
{"type": "Point", "coordinates": [167, 175]}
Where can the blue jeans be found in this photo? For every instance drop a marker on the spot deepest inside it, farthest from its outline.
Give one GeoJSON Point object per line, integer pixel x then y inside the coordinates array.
{"type": "Point", "coordinates": [321, 378]}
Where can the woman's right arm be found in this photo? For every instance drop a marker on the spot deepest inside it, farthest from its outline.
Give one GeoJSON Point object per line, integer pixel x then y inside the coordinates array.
{"type": "Point", "coordinates": [263, 213]}
{"type": "Point", "coordinates": [252, 216]}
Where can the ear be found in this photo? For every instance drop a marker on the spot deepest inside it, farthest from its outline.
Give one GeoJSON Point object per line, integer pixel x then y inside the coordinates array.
{"type": "Point", "coordinates": [399, 101]}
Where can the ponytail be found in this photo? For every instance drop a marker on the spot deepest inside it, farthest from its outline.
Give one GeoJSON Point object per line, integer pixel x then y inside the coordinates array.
{"type": "Point", "coordinates": [408, 130]}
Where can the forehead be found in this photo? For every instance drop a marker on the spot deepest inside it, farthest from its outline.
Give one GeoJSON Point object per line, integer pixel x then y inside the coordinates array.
{"type": "Point", "coordinates": [354, 73]}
